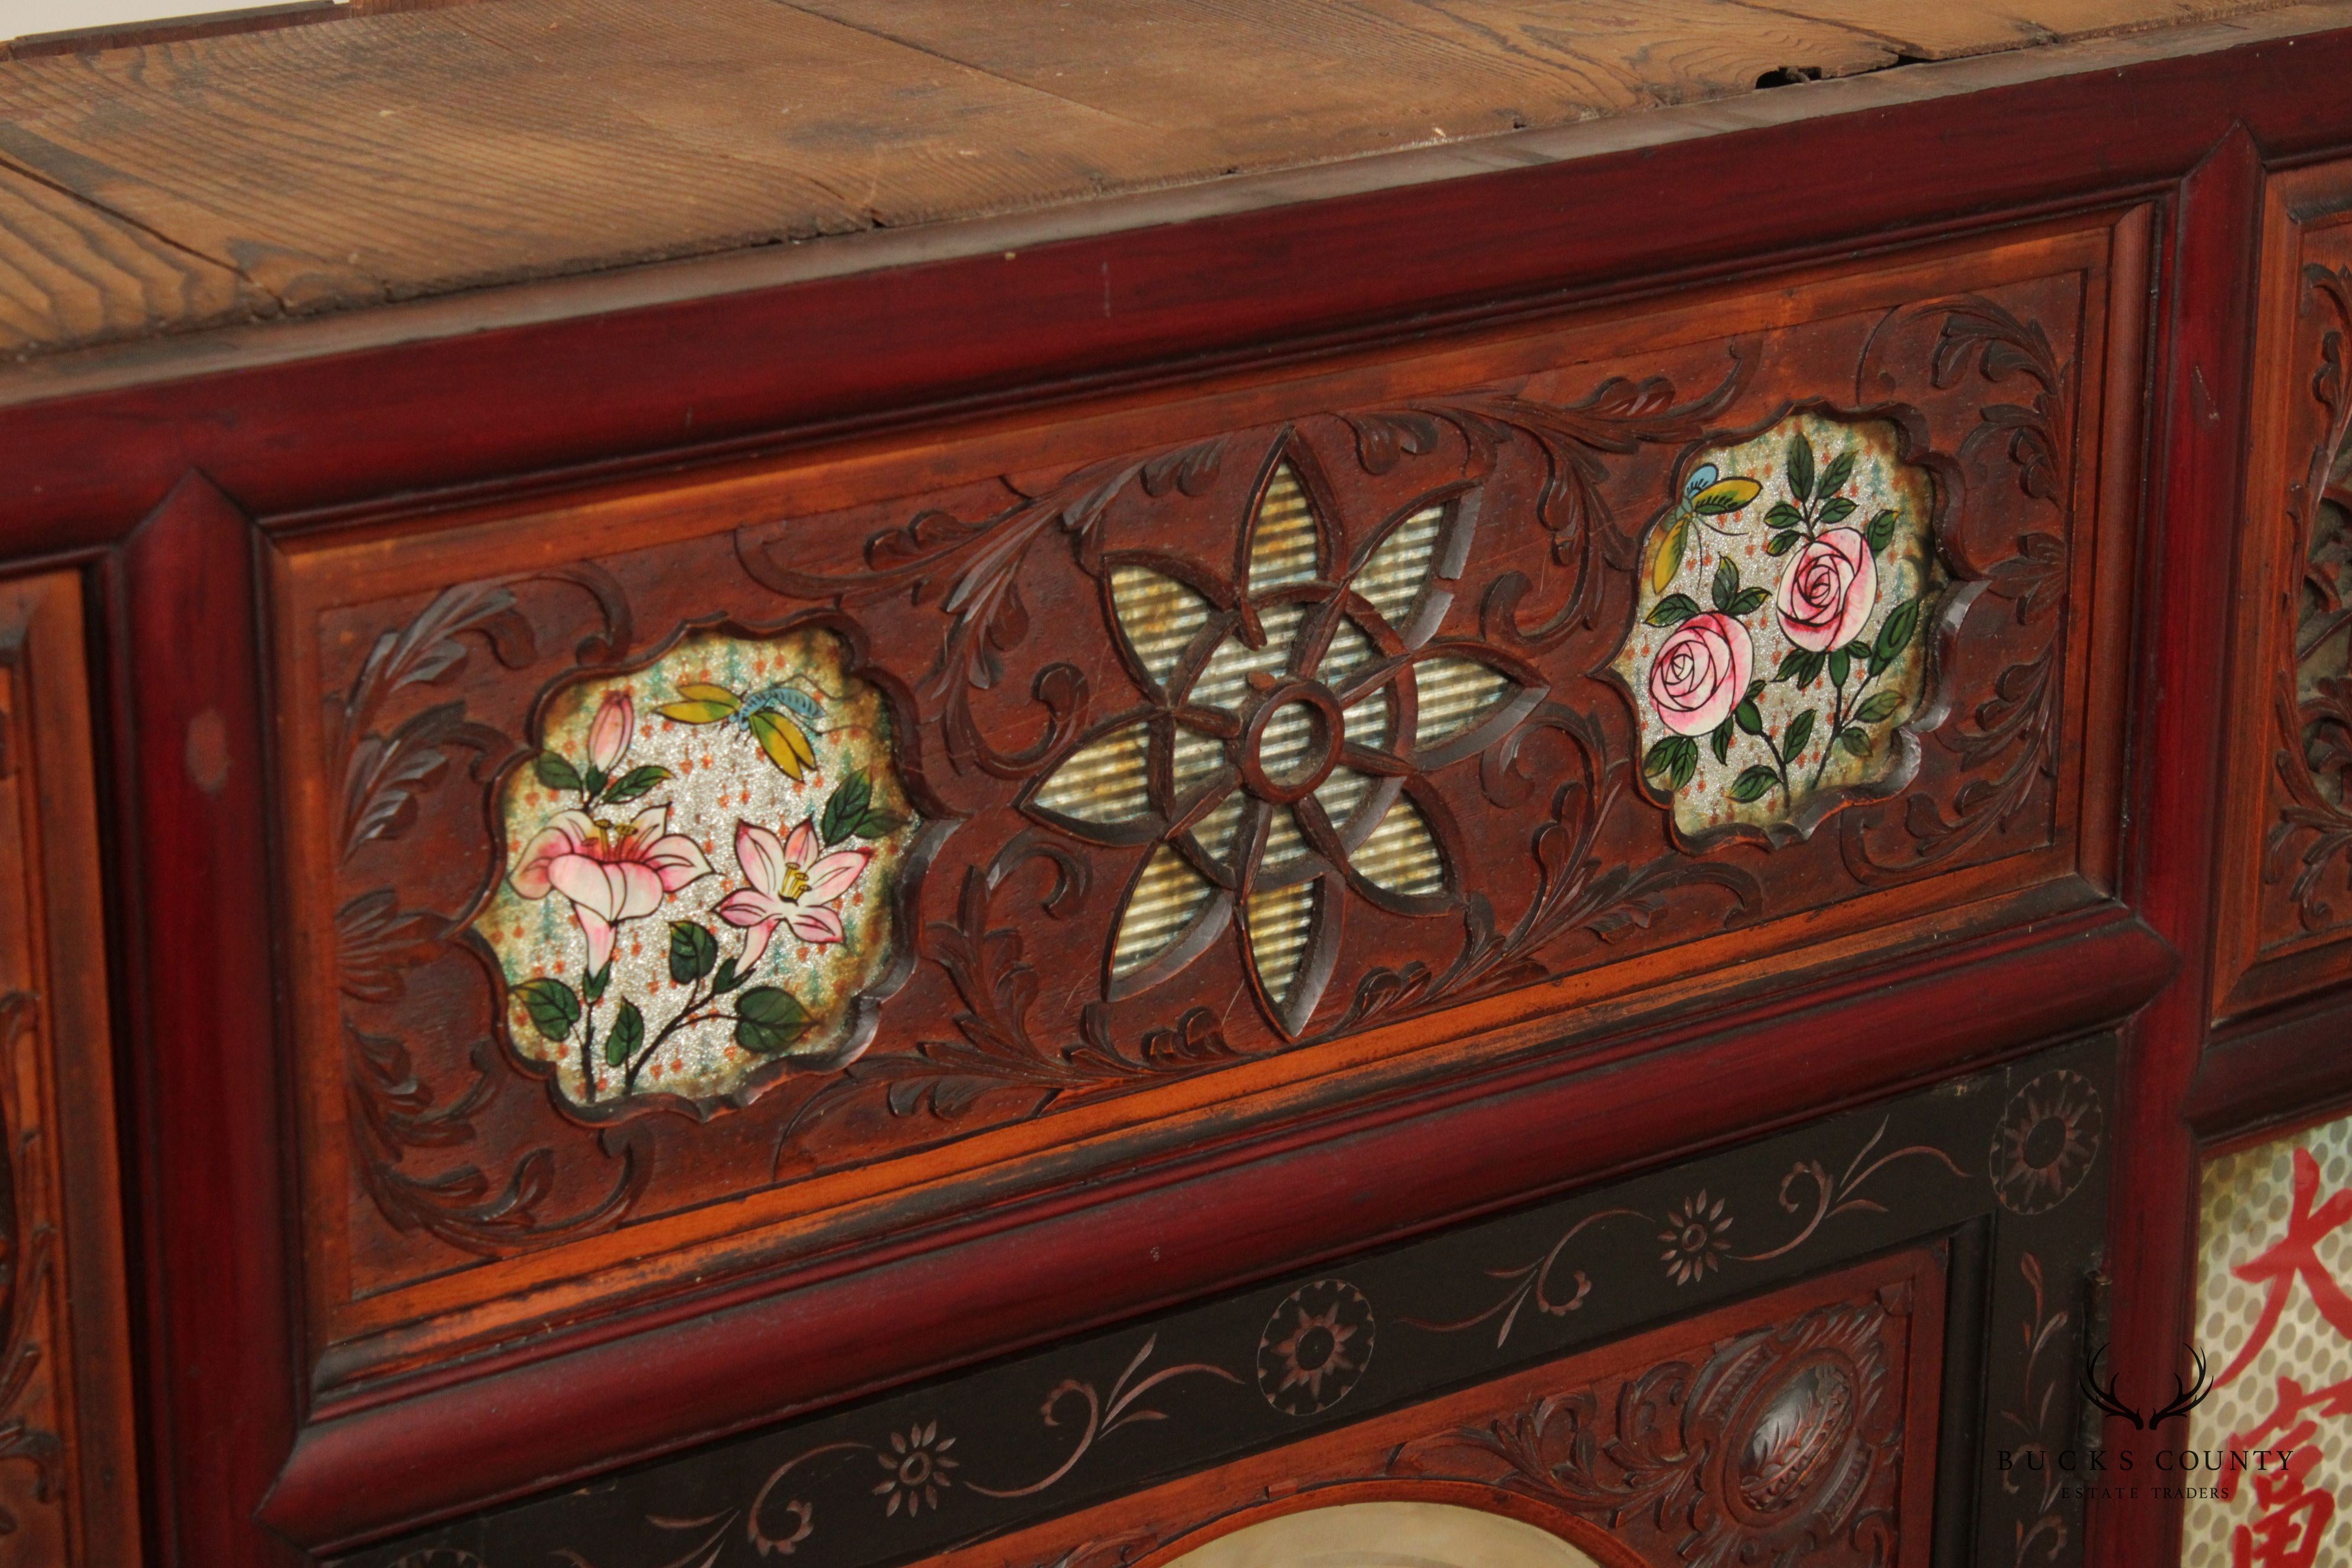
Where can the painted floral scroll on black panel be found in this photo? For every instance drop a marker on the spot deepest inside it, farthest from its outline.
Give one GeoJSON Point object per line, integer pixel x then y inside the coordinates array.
{"type": "Point", "coordinates": [718, 863]}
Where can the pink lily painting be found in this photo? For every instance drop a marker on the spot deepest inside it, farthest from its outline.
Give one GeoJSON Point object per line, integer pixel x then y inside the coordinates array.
{"type": "Point", "coordinates": [639, 962]}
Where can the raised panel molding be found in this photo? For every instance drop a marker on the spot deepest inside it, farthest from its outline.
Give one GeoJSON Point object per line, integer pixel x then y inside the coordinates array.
{"type": "Point", "coordinates": [68, 1467]}
{"type": "Point", "coordinates": [2285, 913]}
{"type": "Point", "coordinates": [697, 876]}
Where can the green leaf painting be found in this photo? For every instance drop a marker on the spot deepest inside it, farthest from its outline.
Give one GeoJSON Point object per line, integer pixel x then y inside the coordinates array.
{"type": "Point", "coordinates": [1776, 647]}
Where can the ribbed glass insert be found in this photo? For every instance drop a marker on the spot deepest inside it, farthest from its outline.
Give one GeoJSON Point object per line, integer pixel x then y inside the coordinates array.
{"type": "Point", "coordinates": [1280, 921]}
{"type": "Point", "coordinates": [1168, 899]}
{"type": "Point", "coordinates": [1193, 759]}
{"type": "Point", "coordinates": [1349, 651]}
{"type": "Point", "coordinates": [1342, 793]}
{"type": "Point", "coordinates": [1401, 853]}
{"type": "Point", "coordinates": [1284, 843]}
{"type": "Point", "coordinates": [1282, 542]}
{"type": "Point", "coordinates": [1224, 682]}
{"type": "Point", "coordinates": [1455, 694]}
{"type": "Point", "coordinates": [1159, 616]}
{"type": "Point", "coordinates": [1216, 831]}
{"type": "Point", "coordinates": [1102, 782]}
{"type": "Point", "coordinates": [1398, 571]}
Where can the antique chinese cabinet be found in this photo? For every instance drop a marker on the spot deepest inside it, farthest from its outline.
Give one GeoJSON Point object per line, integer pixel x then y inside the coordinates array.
{"type": "Point", "coordinates": [1117, 785]}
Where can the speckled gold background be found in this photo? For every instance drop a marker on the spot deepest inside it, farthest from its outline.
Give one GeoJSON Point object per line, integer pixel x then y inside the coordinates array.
{"type": "Point", "coordinates": [721, 777]}
{"type": "Point", "coordinates": [1881, 481]}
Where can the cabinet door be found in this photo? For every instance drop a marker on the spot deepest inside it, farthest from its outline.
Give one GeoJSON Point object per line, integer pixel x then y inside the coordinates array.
{"type": "Point", "coordinates": [1850, 1344]}
{"type": "Point", "coordinates": [68, 1469]}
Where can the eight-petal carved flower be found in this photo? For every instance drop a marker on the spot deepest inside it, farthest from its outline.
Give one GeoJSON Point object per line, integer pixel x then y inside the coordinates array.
{"type": "Point", "coordinates": [791, 880]}
{"type": "Point", "coordinates": [610, 873]}
{"type": "Point", "coordinates": [1293, 714]}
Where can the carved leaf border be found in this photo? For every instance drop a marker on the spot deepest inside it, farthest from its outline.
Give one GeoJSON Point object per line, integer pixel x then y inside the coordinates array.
{"type": "Point", "coordinates": [394, 1111]}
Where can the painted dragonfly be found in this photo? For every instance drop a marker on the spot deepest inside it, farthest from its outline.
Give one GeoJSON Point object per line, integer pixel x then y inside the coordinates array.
{"type": "Point", "coordinates": [780, 718]}
{"type": "Point", "coordinates": [1706, 495]}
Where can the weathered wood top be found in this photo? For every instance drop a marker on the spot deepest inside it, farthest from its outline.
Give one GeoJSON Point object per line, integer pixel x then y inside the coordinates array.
{"type": "Point", "coordinates": [412, 153]}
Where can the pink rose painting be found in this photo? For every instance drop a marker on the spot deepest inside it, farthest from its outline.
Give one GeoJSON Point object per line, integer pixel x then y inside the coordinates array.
{"type": "Point", "coordinates": [1826, 590]}
{"type": "Point", "coordinates": [1701, 673]}
{"type": "Point", "coordinates": [1778, 603]}
{"type": "Point", "coordinates": [637, 960]}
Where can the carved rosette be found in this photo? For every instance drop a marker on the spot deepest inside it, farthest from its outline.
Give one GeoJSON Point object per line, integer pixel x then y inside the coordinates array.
{"type": "Point", "coordinates": [1299, 705]}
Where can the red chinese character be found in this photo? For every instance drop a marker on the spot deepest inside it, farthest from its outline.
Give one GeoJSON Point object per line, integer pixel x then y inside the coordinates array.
{"type": "Point", "coordinates": [2295, 1515]}
{"type": "Point", "coordinates": [2297, 1253]}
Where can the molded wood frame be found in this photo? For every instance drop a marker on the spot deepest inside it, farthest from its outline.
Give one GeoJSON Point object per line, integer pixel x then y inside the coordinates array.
{"type": "Point", "coordinates": [2285, 918]}
{"type": "Point", "coordinates": [68, 1465]}
{"type": "Point", "coordinates": [444, 1213]}
{"type": "Point", "coordinates": [504, 412]}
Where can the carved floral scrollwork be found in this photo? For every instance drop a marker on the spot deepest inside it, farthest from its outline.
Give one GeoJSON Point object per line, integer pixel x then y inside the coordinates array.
{"type": "Point", "coordinates": [24, 1262]}
{"type": "Point", "coordinates": [390, 752]}
{"type": "Point", "coordinates": [2310, 842]}
{"type": "Point", "coordinates": [1763, 1453]}
{"type": "Point", "coordinates": [1251, 742]}
{"type": "Point", "coordinates": [2007, 744]}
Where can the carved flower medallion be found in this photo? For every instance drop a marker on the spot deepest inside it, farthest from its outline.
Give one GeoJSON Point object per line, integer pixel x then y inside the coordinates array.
{"type": "Point", "coordinates": [1786, 599]}
{"type": "Point", "coordinates": [700, 864]}
{"type": "Point", "coordinates": [1295, 711]}
{"type": "Point", "coordinates": [2047, 1141]}
{"type": "Point", "coordinates": [1314, 1347]}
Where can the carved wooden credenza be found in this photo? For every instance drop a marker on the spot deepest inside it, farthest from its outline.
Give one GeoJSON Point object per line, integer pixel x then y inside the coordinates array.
{"type": "Point", "coordinates": [830, 782]}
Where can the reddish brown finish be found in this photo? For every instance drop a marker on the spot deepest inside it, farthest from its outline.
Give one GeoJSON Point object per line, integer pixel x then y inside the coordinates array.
{"type": "Point", "coordinates": [624, 1201]}
{"type": "Point", "coordinates": [205, 1076]}
{"type": "Point", "coordinates": [2286, 874]}
{"type": "Point", "coordinates": [519, 412]}
{"type": "Point", "coordinates": [2201, 414]}
{"type": "Point", "coordinates": [1407, 1162]}
{"type": "Point", "coordinates": [69, 1460]}
{"type": "Point", "coordinates": [1557, 1445]}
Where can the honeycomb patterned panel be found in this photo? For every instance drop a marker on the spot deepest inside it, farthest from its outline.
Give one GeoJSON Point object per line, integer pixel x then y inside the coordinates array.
{"type": "Point", "coordinates": [2277, 1219]}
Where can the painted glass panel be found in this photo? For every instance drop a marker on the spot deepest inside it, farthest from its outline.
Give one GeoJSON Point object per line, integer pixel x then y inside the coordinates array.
{"type": "Point", "coordinates": [2275, 1325]}
{"type": "Point", "coordinates": [699, 862]}
{"type": "Point", "coordinates": [1781, 640]}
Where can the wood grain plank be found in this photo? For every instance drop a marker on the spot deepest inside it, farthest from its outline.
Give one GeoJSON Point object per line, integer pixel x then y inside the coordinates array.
{"type": "Point", "coordinates": [420, 152]}
{"type": "Point", "coordinates": [1941, 29]}
{"type": "Point", "coordinates": [71, 273]}
{"type": "Point", "coordinates": [1253, 83]}
{"type": "Point", "coordinates": [384, 157]}
{"type": "Point", "coordinates": [896, 134]}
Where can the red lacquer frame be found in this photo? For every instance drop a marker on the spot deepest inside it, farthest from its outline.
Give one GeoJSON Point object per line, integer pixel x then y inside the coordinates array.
{"type": "Point", "coordinates": [166, 479]}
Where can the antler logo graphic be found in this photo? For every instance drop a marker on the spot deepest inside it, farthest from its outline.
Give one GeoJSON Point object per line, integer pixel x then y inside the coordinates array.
{"type": "Point", "coordinates": [2186, 1398]}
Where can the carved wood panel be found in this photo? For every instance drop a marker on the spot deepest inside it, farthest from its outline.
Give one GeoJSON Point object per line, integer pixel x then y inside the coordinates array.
{"type": "Point", "coordinates": [67, 1460]}
{"type": "Point", "coordinates": [2286, 893]}
{"type": "Point", "coordinates": [1748, 1356]}
{"type": "Point", "coordinates": [717, 872]}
